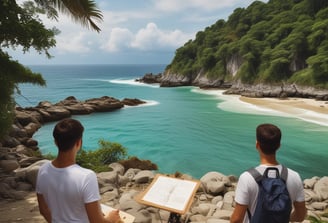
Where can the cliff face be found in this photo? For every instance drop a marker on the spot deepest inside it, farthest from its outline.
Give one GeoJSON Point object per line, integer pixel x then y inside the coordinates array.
{"type": "Point", "coordinates": [201, 79]}
{"type": "Point", "coordinates": [281, 90]}
{"type": "Point", "coordinates": [175, 80]}
{"type": "Point", "coordinates": [273, 43]}
{"type": "Point", "coordinates": [234, 64]}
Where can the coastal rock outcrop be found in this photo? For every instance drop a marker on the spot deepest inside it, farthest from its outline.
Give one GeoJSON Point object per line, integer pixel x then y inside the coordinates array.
{"type": "Point", "coordinates": [19, 151]}
{"type": "Point", "coordinates": [47, 112]}
{"type": "Point", "coordinates": [202, 80]}
{"type": "Point", "coordinates": [275, 91]}
{"type": "Point", "coordinates": [30, 119]}
{"type": "Point", "coordinates": [150, 78]}
{"type": "Point", "coordinates": [175, 80]}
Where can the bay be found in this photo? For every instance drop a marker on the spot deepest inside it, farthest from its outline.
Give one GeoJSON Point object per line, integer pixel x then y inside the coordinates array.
{"type": "Point", "coordinates": [180, 129]}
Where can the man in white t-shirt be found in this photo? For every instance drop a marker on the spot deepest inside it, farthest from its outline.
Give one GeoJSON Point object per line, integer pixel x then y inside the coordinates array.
{"type": "Point", "coordinates": [67, 192]}
{"type": "Point", "coordinates": [268, 138]}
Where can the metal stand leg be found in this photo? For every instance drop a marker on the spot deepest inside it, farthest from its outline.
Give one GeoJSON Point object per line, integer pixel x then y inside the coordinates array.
{"type": "Point", "coordinates": [174, 218]}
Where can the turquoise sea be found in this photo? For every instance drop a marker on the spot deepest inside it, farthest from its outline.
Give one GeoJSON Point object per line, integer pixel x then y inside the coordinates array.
{"type": "Point", "coordinates": [180, 129]}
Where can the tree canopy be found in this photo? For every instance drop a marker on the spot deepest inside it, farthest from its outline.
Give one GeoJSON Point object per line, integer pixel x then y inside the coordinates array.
{"type": "Point", "coordinates": [274, 42]}
{"type": "Point", "coordinates": [21, 27]}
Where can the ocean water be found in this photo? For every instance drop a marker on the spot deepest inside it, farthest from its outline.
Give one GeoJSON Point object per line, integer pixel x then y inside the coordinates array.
{"type": "Point", "coordinates": [180, 129]}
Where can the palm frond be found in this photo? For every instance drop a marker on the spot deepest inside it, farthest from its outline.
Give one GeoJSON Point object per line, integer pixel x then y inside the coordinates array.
{"type": "Point", "coordinates": [84, 12]}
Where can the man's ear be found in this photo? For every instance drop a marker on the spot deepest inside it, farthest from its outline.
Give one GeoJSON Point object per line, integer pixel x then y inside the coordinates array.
{"type": "Point", "coordinates": [257, 144]}
{"type": "Point", "coordinates": [79, 143]}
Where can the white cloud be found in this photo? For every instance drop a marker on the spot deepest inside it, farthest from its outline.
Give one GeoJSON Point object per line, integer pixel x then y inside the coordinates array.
{"type": "Point", "coordinates": [119, 39]}
{"type": "Point", "coordinates": [74, 43]}
{"type": "Point", "coordinates": [207, 5]}
{"type": "Point", "coordinates": [150, 38]}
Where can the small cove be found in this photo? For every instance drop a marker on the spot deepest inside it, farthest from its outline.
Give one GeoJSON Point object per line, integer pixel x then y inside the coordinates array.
{"type": "Point", "coordinates": [181, 129]}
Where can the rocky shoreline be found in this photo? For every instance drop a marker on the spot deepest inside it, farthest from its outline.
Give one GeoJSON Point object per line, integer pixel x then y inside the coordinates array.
{"type": "Point", "coordinates": [19, 150]}
{"type": "Point", "coordinates": [256, 91]}
{"type": "Point", "coordinates": [213, 202]}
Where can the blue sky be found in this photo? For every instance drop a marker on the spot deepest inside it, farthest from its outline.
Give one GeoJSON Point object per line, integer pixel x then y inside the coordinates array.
{"type": "Point", "coordinates": [133, 32]}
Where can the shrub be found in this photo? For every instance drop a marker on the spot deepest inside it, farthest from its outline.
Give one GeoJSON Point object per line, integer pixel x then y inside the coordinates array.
{"type": "Point", "coordinates": [134, 162]}
{"type": "Point", "coordinates": [99, 159]}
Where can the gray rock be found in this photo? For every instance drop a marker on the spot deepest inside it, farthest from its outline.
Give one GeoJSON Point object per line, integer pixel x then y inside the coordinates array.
{"type": "Point", "coordinates": [23, 186]}
{"type": "Point", "coordinates": [130, 173]}
{"type": "Point", "coordinates": [111, 195]}
{"type": "Point", "coordinates": [214, 183]}
{"type": "Point", "coordinates": [197, 218]}
{"type": "Point", "coordinates": [142, 216]}
{"type": "Point", "coordinates": [319, 205]}
{"type": "Point", "coordinates": [30, 173]}
{"type": "Point", "coordinates": [310, 195]}
{"type": "Point", "coordinates": [108, 177]}
{"type": "Point", "coordinates": [228, 200]}
{"type": "Point", "coordinates": [9, 165]}
{"type": "Point", "coordinates": [215, 220]}
{"type": "Point", "coordinates": [309, 183]}
{"type": "Point", "coordinates": [117, 167]}
{"type": "Point", "coordinates": [144, 176]}
{"type": "Point", "coordinates": [103, 188]}
{"type": "Point", "coordinates": [321, 188]}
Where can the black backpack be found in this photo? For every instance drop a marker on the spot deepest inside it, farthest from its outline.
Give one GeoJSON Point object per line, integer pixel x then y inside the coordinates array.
{"type": "Point", "coordinates": [273, 202]}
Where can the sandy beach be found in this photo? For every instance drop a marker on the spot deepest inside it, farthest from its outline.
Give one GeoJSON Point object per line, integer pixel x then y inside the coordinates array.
{"type": "Point", "coordinates": [306, 109]}
{"type": "Point", "coordinates": [290, 106]}
{"type": "Point", "coordinates": [309, 110]}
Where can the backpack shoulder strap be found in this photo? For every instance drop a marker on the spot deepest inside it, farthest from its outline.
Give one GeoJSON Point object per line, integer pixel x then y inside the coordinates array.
{"type": "Point", "coordinates": [257, 177]}
{"type": "Point", "coordinates": [255, 174]}
{"type": "Point", "coordinates": [284, 173]}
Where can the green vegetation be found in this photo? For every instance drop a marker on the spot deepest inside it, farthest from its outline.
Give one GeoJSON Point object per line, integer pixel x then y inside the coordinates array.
{"type": "Point", "coordinates": [21, 28]}
{"type": "Point", "coordinates": [278, 41]}
{"type": "Point", "coordinates": [107, 153]}
{"type": "Point", "coordinates": [98, 160]}
{"type": "Point", "coordinates": [313, 219]}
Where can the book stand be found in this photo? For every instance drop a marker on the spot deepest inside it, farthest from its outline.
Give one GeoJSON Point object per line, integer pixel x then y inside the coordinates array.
{"type": "Point", "coordinates": [171, 194]}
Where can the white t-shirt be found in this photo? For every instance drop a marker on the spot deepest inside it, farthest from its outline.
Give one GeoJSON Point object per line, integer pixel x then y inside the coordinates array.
{"type": "Point", "coordinates": [247, 188]}
{"type": "Point", "coordinates": [67, 190]}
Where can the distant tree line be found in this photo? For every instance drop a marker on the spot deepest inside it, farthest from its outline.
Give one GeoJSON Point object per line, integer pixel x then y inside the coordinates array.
{"type": "Point", "coordinates": [274, 42]}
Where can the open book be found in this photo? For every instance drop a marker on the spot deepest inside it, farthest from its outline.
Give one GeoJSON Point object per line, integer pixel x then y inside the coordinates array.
{"type": "Point", "coordinates": [126, 218]}
{"type": "Point", "coordinates": [168, 193]}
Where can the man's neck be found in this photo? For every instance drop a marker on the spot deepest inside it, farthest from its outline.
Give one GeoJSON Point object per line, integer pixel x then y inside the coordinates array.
{"type": "Point", "coordinates": [64, 160]}
{"type": "Point", "coordinates": [269, 160]}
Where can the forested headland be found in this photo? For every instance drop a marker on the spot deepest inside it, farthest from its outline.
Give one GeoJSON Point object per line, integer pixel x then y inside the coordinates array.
{"type": "Point", "coordinates": [281, 41]}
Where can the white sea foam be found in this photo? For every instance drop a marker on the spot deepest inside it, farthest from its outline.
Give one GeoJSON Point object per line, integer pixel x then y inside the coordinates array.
{"type": "Point", "coordinates": [232, 103]}
{"type": "Point", "coordinates": [124, 81]}
{"type": "Point", "coordinates": [133, 82]}
{"type": "Point", "coordinates": [148, 103]}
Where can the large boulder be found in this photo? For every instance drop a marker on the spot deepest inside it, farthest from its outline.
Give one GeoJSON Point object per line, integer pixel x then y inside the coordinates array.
{"type": "Point", "coordinates": [30, 173]}
{"type": "Point", "coordinates": [9, 165]}
{"type": "Point", "coordinates": [215, 183]}
{"type": "Point", "coordinates": [321, 188]}
{"type": "Point", "coordinates": [104, 104]}
{"type": "Point", "coordinates": [56, 113]}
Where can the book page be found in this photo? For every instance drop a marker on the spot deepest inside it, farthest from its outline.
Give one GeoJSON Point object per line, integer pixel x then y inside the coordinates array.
{"type": "Point", "coordinates": [171, 193]}
{"type": "Point", "coordinates": [126, 218]}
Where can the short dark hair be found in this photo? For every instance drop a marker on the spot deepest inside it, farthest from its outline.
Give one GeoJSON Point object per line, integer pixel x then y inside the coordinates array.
{"type": "Point", "coordinates": [268, 136]}
{"type": "Point", "coordinates": [66, 133]}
